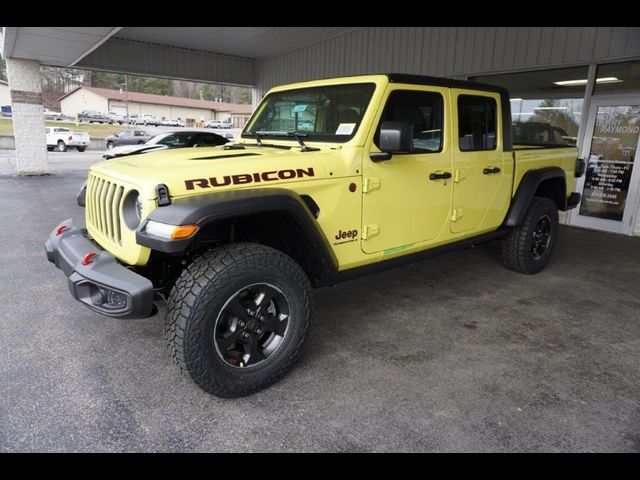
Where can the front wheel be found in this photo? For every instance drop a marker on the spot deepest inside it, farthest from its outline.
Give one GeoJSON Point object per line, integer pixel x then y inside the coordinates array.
{"type": "Point", "coordinates": [62, 147]}
{"type": "Point", "coordinates": [528, 248]}
{"type": "Point", "coordinates": [237, 318]}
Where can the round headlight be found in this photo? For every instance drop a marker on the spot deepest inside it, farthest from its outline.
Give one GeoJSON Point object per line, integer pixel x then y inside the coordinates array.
{"type": "Point", "coordinates": [132, 210]}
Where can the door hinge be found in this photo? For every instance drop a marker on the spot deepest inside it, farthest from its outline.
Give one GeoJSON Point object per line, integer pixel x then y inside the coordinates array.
{"type": "Point", "coordinates": [370, 184]}
{"type": "Point", "coordinates": [459, 176]}
{"type": "Point", "coordinates": [457, 215]}
{"type": "Point", "coordinates": [370, 231]}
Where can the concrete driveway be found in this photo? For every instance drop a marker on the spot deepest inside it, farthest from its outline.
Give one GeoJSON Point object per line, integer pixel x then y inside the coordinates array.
{"type": "Point", "coordinates": [451, 354]}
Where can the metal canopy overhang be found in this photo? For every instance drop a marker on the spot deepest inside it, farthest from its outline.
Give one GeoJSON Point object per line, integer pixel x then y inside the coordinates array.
{"type": "Point", "coordinates": [211, 54]}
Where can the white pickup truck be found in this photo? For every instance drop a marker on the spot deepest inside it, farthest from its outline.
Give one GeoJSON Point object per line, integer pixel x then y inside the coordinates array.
{"type": "Point", "coordinates": [61, 139]}
{"type": "Point", "coordinates": [145, 119]}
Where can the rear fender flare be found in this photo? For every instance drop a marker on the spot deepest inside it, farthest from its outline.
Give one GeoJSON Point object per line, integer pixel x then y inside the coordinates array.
{"type": "Point", "coordinates": [527, 190]}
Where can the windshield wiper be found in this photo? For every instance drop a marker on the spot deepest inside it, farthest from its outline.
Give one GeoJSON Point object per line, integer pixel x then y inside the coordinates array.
{"type": "Point", "coordinates": [297, 135]}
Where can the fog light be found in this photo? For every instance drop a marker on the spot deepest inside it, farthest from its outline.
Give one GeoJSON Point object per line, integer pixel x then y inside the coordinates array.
{"type": "Point", "coordinates": [114, 299]}
{"type": "Point", "coordinates": [109, 298]}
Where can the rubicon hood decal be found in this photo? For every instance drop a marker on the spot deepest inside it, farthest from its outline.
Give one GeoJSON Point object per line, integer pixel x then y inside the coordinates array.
{"type": "Point", "coordinates": [246, 178]}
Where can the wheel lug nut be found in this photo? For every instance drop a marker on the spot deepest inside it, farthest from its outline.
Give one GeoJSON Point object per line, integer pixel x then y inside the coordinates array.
{"type": "Point", "coordinates": [261, 318]}
{"type": "Point", "coordinates": [241, 324]}
{"type": "Point", "coordinates": [245, 335]}
{"type": "Point", "coordinates": [259, 331]}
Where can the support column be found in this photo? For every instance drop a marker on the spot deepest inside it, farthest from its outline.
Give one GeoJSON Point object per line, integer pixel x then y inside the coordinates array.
{"type": "Point", "coordinates": [25, 85]}
{"type": "Point", "coordinates": [256, 97]}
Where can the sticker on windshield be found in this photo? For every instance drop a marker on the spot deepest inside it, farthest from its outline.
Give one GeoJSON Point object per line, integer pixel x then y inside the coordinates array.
{"type": "Point", "coordinates": [299, 108]}
{"type": "Point", "coordinates": [346, 129]}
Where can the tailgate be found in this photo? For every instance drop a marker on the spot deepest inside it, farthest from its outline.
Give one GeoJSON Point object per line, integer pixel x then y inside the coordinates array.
{"type": "Point", "coordinates": [80, 137]}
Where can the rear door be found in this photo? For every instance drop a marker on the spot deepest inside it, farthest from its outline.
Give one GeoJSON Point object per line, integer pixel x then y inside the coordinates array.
{"type": "Point", "coordinates": [481, 186]}
{"type": "Point", "coordinates": [402, 205]}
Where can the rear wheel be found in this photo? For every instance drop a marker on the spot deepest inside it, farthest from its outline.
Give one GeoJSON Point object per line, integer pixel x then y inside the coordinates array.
{"type": "Point", "coordinates": [237, 317]}
{"type": "Point", "coordinates": [110, 145]}
{"type": "Point", "coordinates": [82, 149]}
{"type": "Point", "coordinates": [62, 147]}
{"type": "Point", "coordinates": [529, 247]}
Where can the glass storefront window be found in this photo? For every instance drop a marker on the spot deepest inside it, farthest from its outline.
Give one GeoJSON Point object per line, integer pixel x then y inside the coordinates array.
{"type": "Point", "coordinates": [610, 161]}
{"type": "Point", "coordinates": [546, 105]}
{"type": "Point", "coordinates": [616, 78]}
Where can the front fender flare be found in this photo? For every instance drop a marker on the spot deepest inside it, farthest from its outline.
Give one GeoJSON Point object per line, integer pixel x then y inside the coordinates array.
{"type": "Point", "coordinates": [209, 208]}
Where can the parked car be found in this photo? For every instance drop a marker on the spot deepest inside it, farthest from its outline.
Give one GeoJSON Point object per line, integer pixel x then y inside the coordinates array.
{"type": "Point", "coordinates": [92, 116]}
{"type": "Point", "coordinates": [128, 137]}
{"type": "Point", "coordinates": [172, 122]}
{"type": "Point", "coordinates": [166, 140]}
{"type": "Point", "coordinates": [217, 124]}
{"type": "Point", "coordinates": [116, 117]}
{"type": "Point", "coordinates": [51, 115]}
{"type": "Point", "coordinates": [145, 120]}
{"type": "Point", "coordinates": [61, 139]}
{"type": "Point", "coordinates": [540, 133]}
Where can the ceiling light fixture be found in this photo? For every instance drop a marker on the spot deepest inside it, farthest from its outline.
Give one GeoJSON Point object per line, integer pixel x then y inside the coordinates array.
{"type": "Point", "coordinates": [573, 83]}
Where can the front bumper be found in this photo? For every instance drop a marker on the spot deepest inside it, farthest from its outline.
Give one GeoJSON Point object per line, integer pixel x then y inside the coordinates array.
{"type": "Point", "coordinates": [103, 285]}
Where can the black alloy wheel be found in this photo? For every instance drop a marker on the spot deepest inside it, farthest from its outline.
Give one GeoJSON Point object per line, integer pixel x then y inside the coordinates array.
{"type": "Point", "coordinates": [541, 237]}
{"type": "Point", "coordinates": [252, 325]}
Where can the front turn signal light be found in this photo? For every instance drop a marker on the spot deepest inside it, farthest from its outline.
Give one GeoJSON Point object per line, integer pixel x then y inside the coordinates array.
{"type": "Point", "coordinates": [170, 232]}
{"type": "Point", "coordinates": [184, 231]}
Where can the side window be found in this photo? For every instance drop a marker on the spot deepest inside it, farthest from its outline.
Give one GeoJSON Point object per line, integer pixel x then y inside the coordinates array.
{"type": "Point", "coordinates": [424, 110]}
{"type": "Point", "coordinates": [477, 123]}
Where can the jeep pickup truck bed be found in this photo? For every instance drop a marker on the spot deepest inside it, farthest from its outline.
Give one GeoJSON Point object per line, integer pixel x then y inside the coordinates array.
{"type": "Point", "coordinates": [332, 179]}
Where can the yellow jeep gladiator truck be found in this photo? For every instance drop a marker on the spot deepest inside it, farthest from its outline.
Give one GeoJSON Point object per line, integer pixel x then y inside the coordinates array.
{"type": "Point", "coordinates": [331, 180]}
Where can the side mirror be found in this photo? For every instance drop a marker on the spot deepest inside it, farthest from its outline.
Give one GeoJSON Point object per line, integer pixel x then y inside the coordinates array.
{"type": "Point", "coordinates": [395, 137]}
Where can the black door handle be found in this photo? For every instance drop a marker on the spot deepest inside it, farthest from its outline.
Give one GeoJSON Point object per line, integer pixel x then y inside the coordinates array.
{"type": "Point", "coordinates": [491, 171]}
{"type": "Point", "coordinates": [440, 176]}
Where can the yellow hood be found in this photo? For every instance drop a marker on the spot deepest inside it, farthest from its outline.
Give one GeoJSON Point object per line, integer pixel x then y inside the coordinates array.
{"type": "Point", "coordinates": [190, 171]}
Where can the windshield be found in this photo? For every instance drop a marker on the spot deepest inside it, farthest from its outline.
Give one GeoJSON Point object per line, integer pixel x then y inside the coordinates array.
{"type": "Point", "coordinates": [173, 140]}
{"type": "Point", "coordinates": [328, 114]}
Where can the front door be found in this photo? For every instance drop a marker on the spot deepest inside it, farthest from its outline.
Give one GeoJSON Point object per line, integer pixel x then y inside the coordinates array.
{"type": "Point", "coordinates": [407, 200]}
{"type": "Point", "coordinates": [610, 185]}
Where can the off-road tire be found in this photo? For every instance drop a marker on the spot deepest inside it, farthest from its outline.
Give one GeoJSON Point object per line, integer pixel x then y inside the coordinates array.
{"type": "Point", "coordinates": [517, 246]}
{"type": "Point", "coordinates": [199, 295]}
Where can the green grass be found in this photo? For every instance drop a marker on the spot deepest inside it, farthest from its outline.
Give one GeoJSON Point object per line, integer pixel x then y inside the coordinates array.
{"type": "Point", "coordinates": [95, 130]}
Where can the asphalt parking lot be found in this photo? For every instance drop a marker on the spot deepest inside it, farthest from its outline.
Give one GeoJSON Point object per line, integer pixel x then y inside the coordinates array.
{"type": "Point", "coordinates": [451, 354]}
